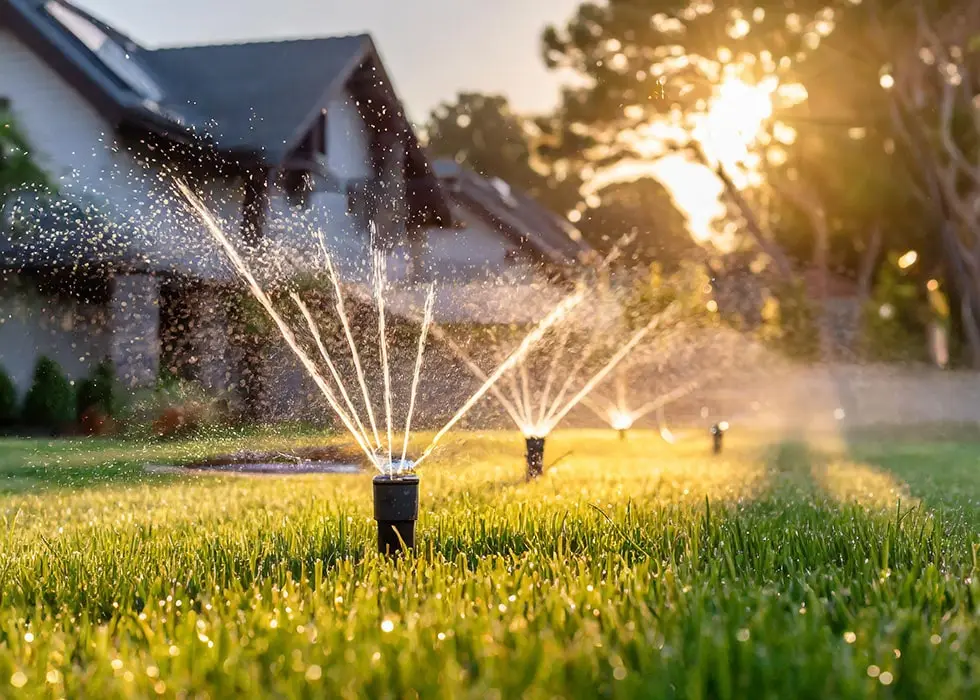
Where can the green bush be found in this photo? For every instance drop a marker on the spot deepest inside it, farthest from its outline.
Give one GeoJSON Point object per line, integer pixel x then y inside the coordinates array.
{"type": "Point", "coordinates": [98, 390]}
{"type": "Point", "coordinates": [893, 322]}
{"type": "Point", "coordinates": [8, 400]}
{"type": "Point", "coordinates": [789, 323]}
{"type": "Point", "coordinates": [176, 408]}
{"type": "Point", "coordinates": [50, 402]}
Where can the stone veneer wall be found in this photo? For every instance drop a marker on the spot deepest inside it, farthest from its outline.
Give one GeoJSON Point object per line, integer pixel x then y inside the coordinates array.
{"type": "Point", "coordinates": [134, 323]}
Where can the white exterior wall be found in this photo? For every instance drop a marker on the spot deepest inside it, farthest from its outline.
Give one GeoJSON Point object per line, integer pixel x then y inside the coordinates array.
{"type": "Point", "coordinates": [349, 159]}
{"type": "Point", "coordinates": [75, 145]}
{"type": "Point", "coordinates": [73, 334]}
{"type": "Point", "coordinates": [348, 150]}
{"type": "Point", "coordinates": [477, 248]}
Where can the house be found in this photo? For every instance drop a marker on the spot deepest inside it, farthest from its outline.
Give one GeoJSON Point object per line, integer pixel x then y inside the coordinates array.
{"type": "Point", "coordinates": [108, 120]}
{"type": "Point", "coordinates": [506, 259]}
{"type": "Point", "coordinates": [284, 141]}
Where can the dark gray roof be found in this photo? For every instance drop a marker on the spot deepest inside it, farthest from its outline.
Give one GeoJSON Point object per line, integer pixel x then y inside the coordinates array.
{"type": "Point", "coordinates": [258, 95]}
{"type": "Point", "coordinates": [513, 213]}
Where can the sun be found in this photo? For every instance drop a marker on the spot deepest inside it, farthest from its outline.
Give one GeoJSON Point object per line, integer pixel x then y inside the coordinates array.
{"type": "Point", "coordinates": [734, 121]}
{"type": "Point", "coordinates": [728, 131]}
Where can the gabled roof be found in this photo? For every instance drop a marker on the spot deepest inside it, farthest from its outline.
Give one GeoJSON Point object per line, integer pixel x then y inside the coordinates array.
{"type": "Point", "coordinates": [260, 95]}
{"type": "Point", "coordinates": [249, 100]}
{"type": "Point", "coordinates": [515, 214]}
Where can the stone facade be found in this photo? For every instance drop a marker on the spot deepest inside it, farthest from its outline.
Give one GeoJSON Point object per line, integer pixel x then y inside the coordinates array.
{"type": "Point", "coordinates": [214, 356]}
{"type": "Point", "coordinates": [134, 323]}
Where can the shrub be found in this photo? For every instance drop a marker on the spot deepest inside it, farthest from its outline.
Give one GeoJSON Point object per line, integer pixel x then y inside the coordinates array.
{"type": "Point", "coordinates": [789, 324]}
{"type": "Point", "coordinates": [50, 403]}
{"type": "Point", "coordinates": [177, 408]}
{"type": "Point", "coordinates": [893, 322]}
{"type": "Point", "coordinates": [8, 400]}
{"type": "Point", "coordinates": [98, 390]}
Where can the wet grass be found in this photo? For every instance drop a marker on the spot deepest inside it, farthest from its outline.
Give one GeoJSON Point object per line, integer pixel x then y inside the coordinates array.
{"type": "Point", "coordinates": [633, 569]}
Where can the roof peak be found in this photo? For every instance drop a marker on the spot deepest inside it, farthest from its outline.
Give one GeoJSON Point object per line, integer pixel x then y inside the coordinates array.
{"type": "Point", "coordinates": [363, 36]}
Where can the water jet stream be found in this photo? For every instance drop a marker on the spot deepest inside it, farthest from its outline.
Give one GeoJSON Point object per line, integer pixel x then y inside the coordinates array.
{"type": "Point", "coordinates": [380, 283]}
{"type": "Point", "coordinates": [552, 368]}
{"type": "Point", "coordinates": [558, 313]}
{"type": "Point", "coordinates": [355, 356]}
{"type": "Point", "coordinates": [475, 370]}
{"type": "Point", "coordinates": [616, 359]}
{"type": "Point", "coordinates": [216, 231]}
{"type": "Point", "coordinates": [343, 407]}
{"type": "Point", "coordinates": [430, 301]}
{"type": "Point", "coordinates": [311, 324]}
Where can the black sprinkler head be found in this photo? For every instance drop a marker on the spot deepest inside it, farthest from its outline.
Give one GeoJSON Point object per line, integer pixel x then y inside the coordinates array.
{"type": "Point", "coordinates": [535, 457]}
{"type": "Point", "coordinates": [622, 433]}
{"type": "Point", "coordinates": [396, 508]}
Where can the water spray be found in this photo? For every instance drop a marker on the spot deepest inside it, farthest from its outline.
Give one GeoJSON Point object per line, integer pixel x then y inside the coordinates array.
{"type": "Point", "coordinates": [396, 508]}
{"type": "Point", "coordinates": [718, 431]}
{"type": "Point", "coordinates": [396, 488]}
{"type": "Point", "coordinates": [621, 421]}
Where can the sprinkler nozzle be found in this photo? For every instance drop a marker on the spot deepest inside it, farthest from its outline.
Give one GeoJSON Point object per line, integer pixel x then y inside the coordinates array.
{"type": "Point", "coordinates": [535, 457]}
{"type": "Point", "coordinates": [396, 508]}
{"type": "Point", "coordinates": [717, 435]}
{"type": "Point", "coordinates": [622, 433]}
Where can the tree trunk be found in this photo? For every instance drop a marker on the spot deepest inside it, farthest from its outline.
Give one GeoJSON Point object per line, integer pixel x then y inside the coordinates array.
{"type": "Point", "coordinates": [867, 266]}
{"type": "Point", "coordinates": [967, 290]}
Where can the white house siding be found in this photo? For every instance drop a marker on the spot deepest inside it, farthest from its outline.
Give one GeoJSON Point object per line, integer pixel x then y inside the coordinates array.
{"type": "Point", "coordinates": [348, 149]}
{"type": "Point", "coordinates": [298, 228]}
{"type": "Point", "coordinates": [72, 333]}
{"type": "Point", "coordinates": [473, 253]}
{"type": "Point", "coordinates": [76, 147]}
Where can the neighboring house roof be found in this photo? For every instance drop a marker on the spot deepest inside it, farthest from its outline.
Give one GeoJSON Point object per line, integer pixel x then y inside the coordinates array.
{"type": "Point", "coordinates": [252, 101]}
{"type": "Point", "coordinates": [529, 225]}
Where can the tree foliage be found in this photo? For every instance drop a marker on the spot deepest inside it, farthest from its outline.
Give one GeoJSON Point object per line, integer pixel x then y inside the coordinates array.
{"type": "Point", "coordinates": [18, 170]}
{"type": "Point", "coordinates": [483, 133]}
{"type": "Point", "coordinates": [50, 402]}
{"type": "Point", "coordinates": [641, 207]}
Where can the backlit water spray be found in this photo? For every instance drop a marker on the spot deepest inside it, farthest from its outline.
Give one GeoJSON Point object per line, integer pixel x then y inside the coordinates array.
{"type": "Point", "coordinates": [537, 415]}
{"type": "Point", "coordinates": [396, 486]}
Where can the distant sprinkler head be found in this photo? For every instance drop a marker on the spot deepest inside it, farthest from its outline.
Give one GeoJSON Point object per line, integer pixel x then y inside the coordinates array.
{"type": "Point", "coordinates": [396, 508]}
{"type": "Point", "coordinates": [621, 422]}
{"type": "Point", "coordinates": [534, 456]}
{"type": "Point", "coordinates": [717, 435]}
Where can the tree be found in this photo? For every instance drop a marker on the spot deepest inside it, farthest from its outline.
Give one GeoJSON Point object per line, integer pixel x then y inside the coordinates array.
{"type": "Point", "coordinates": [483, 133]}
{"type": "Point", "coordinates": [17, 167]}
{"type": "Point", "coordinates": [644, 208]}
{"type": "Point", "coordinates": [777, 100]}
{"type": "Point", "coordinates": [932, 83]}
{"type": "Point", "coordinates": [670, 66]}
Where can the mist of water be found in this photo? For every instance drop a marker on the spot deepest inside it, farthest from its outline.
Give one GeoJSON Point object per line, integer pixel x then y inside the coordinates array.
{"type": "Point", "coordinates": [338, 397]}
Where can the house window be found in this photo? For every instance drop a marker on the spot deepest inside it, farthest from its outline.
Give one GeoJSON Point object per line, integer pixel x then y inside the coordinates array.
{"type": "Point", "coordinates": [113, 56]}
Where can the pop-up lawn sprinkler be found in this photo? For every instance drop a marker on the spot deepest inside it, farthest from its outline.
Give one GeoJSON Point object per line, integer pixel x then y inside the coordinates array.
{"type": "Point", "coordinates": [718, 435]}
{"type": "Point", "coordinates": [535, 457]}
{"type": "Point", "coordinates": [621, 423]}
{"type": "Point", "coordinates": [396, 508]}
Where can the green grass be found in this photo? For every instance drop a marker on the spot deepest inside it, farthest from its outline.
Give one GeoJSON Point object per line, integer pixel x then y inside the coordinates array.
{"type": "Point", "coordinates": [634, 569]}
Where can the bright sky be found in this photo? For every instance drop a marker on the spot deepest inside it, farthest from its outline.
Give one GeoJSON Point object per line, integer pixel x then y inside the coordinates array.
{"type": "Point", "coordinates": [434, 49]}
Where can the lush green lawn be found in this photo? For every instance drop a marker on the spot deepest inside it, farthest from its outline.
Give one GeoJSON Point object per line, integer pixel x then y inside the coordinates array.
{"type": "Point", "coordinates": [633, 569]}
